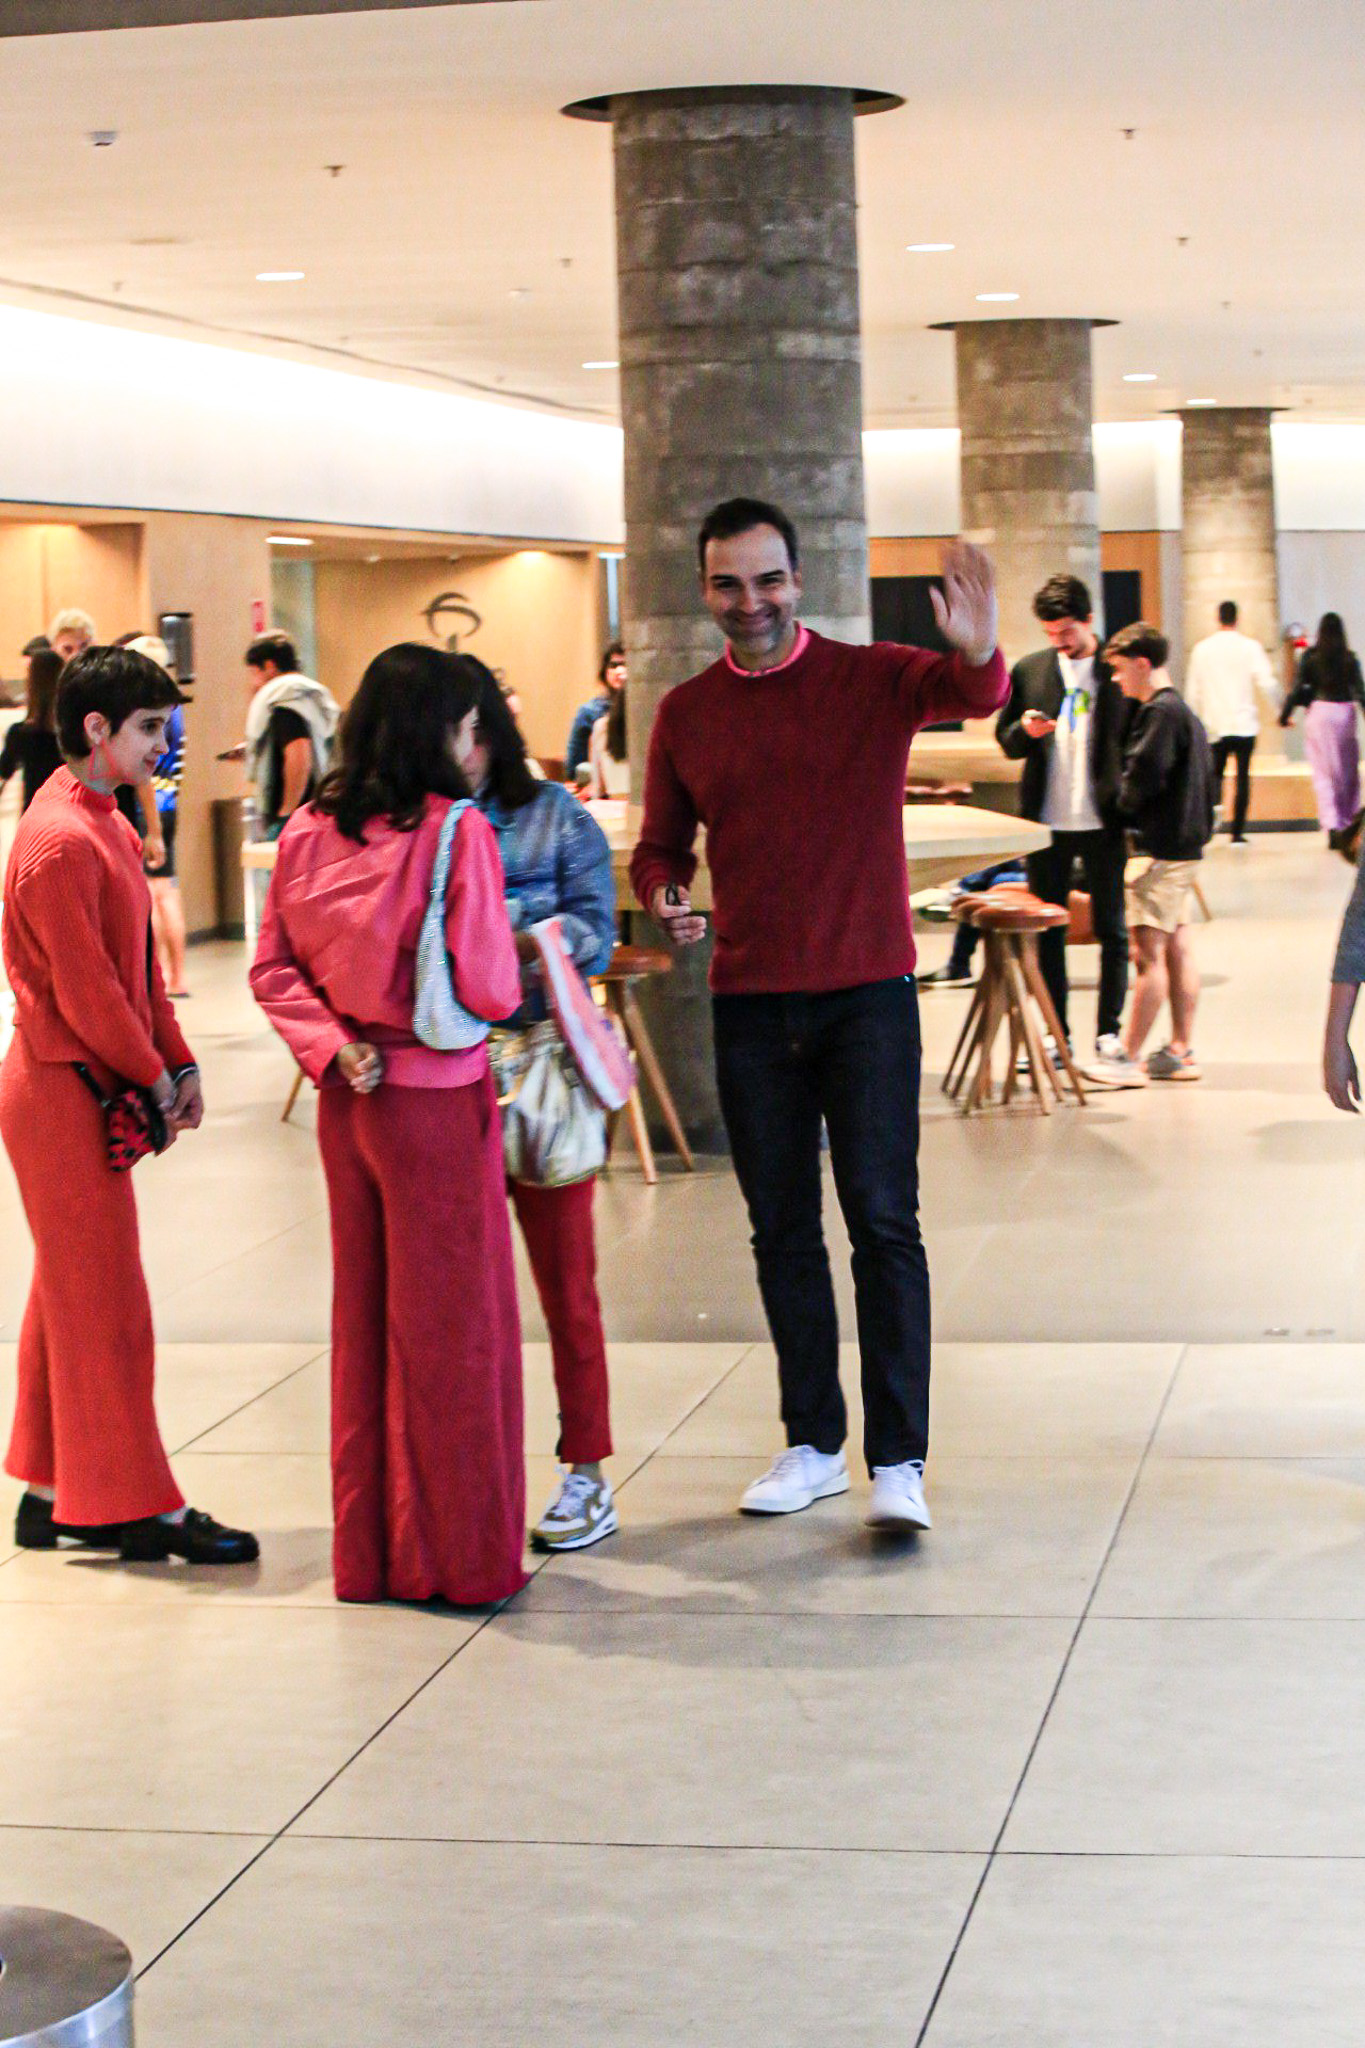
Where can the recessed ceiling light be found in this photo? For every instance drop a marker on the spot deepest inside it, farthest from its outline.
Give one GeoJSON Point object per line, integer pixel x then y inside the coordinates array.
{"type": "Point", "coordinates": [929, 248]}
{"type": "Point", "coordinates": [1139, 377]}
{"type": "Point", "coordinates": [1193, 403]}
{"type": "Point", "coordinates": [996, 298]}
{"type": "Point", "coordinates": [603, 363]}
{"type": "Point", "coordinates": [289, 540]}
{"type": "Point", "coordinates": [279, 276]}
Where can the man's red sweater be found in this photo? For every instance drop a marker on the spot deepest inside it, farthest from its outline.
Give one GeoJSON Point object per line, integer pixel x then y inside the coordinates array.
{"type": "Point", "coordinates": [798, 775]}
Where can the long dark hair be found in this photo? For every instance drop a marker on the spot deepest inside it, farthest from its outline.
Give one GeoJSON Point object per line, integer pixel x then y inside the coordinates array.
{"type": "Point", "coordinates": [44, 673]}
{"type": "Point", "coordinates": [616, 727]}
{"type": "Point", "coordinates": [509, 778]}
{"type": "Point", "coordinates": [393, 746]}
{"type": "Point", "coordinates": [1332, 648]}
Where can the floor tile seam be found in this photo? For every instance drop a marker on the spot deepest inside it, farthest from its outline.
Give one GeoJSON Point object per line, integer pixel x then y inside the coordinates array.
{"type": "Point", "coordinates": [55, 1827]}
{"type": "Point", "coordinates": [281, 1832]}
{"type": "Point", "coordinates": [243, 1406]}
{"type": "Point", "coordinates": [745, 1351]}
{"type": "Point", "coordinates": [672, 1615]}
{"type": "Point", "coordinates": [248, 1251]}
{"type": "Point", "coordinates": [643, 1847]}
{"type": "Point", "coordinates": [942, 1984]}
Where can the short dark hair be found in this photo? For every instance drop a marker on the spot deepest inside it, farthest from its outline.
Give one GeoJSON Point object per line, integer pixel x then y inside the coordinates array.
{"type": "Point", "coordinates": [39, 644]}
{"type": "Point", "coordinates": [1140, 642]}
{"type": "Point", "coordinates": [616, 652]}
{"type": "Point", "coordinates": [1227, 613]}
{"type": "Point", "coordinates": [114, 681]}
{"type": "Point", "coordinates": [1063, 597]}
{"type": "Point", "coordinates": [513, 783]}
{"type": "Point", "coordinates": [742, 515]}
{"type": "Point", "coordinates": [276, 647]}
{"type": "Point", "coordinates": [393, 746]}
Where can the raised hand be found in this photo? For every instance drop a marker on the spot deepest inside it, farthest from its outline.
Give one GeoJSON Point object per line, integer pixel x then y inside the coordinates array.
{"type": "Point", "coordinates": [966, 609]}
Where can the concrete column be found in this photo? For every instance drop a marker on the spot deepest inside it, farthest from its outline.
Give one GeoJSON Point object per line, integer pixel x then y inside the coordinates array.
{"type": "Point", "coordinates": [1024, 406]}
{"type": "Point", "coordinates": [741, 373]}
{"type": "Point", "coordinates": [1228, 519]}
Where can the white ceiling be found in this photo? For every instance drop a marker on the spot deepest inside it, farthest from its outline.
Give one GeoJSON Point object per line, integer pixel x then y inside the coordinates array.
{"type": "Point", "coordinates": [464, 185]}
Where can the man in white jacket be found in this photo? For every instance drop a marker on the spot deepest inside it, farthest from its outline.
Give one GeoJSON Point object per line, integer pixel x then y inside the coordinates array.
{"type": "Point", "coordinates": [1221, 680]}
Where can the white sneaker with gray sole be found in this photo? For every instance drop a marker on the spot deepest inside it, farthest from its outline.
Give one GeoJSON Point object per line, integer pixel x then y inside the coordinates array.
{"type": "Point", "coordinates": [796, 1477]}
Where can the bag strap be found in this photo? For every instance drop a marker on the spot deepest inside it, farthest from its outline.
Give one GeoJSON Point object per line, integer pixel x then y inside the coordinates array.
{"type": "Point", "coordinates": [91, 1083]}
{"type": "Point", "coordinates": [440, 870]}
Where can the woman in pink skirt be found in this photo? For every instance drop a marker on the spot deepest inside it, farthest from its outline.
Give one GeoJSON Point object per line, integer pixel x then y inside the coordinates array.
{"type": "Point", "coordinates": [1329, 683]}
{"type": "Point", "coordinates": [428, 1472]}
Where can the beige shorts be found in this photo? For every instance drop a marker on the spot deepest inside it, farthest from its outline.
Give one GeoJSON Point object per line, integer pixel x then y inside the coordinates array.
{"type": "Point", "coordinates": [1157, 892]}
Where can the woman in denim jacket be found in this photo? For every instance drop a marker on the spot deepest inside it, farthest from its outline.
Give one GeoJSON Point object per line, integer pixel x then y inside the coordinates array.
{"type": "Point", "coordinates": [556, 863]}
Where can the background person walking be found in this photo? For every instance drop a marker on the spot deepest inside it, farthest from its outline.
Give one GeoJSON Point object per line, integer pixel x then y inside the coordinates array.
{"type": "Point", "coordinates": [1329, 683]}
{"type": "Point", "coordinates": [1222, 677]}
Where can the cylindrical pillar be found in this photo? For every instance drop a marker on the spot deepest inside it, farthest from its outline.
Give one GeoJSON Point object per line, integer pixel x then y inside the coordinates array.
{"type": "Point", "coordinates": [741, 374]}
{"type": "Point", "coordinates": [1025, 410]}
{"type": "Point", "coordinates": [1228, 520]}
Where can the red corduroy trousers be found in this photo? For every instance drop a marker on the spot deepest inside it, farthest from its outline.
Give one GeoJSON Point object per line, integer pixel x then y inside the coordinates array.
{"type": "Point", "coordinates": [428, 1466]}
{"type": "Point", "coordinates": [85, 1420]}
{"type": "Point", "coordinates": [557, 1226]}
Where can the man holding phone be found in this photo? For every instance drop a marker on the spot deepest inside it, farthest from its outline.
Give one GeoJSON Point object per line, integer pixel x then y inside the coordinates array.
{"type": "Point", "coordinates": [1067, 721]}
{"type": "Point", "coordinates": [791, 749]}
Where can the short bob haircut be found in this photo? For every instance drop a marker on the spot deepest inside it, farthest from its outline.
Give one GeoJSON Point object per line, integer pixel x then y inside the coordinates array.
{"type": "Point", "coordinates": [1063, 597]}
{"type": "Point", "coordinates": [276, 647]}
{"type": "Point", "coordinates": [742, 515]}
{"type": "Point", "coordinates": [1140, 642]}
{"type": "Point", "coordinates": [393, 747]}
{"type": "Point", "coordinates": [114, 681]}
{"type": "Point", "coordinates": [511, 780]}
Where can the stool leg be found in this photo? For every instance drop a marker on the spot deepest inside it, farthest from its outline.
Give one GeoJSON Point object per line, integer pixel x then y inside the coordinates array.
{"type": "Point", "coordinates": [962, 1050]}
{"type": "Point", "coordinates": [293, 1095]}
{"type": "Point", "coordinates": [982, 1082]}
{"type": "Point", "coordinates": [1201, 899]}
{"type": "Point", "coordinates": [1037, 1057]}
{"type": "Point", "coordinates": [639, 1130]}
{"type": "Point", "coordinates": [1033, 975]}
{"type": "Point", "coordinates": [639, 1037]}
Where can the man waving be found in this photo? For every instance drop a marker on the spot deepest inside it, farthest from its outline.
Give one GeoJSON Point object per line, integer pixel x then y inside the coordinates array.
{"type": "Point", "coordinates": [791, 750]}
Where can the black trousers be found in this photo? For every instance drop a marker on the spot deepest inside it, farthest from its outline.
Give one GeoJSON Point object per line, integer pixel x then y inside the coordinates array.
{"type": "Point", "coordinates": [1103, 856]}
{"type": "Point", "coordinates": [851, 1057]}
{"type": "Point", "coordinates": [1240, 751]}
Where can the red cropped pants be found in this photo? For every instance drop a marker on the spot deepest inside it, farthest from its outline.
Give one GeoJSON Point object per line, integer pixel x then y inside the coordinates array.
{"type": "Point", "coordinates": [557, 1226]}
{"type": "Point", "coordinates": [85, 1421]}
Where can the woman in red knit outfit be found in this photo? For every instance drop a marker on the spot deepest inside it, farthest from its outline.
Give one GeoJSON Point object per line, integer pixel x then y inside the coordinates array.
{"type": "Point", "coordinates": [428, 1469]}
{"type": "Point", "coordinates": [87, 990]}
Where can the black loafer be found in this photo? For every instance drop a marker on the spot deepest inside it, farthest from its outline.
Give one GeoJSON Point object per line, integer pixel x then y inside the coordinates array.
{"type": "Point", "coordinates": [197, 1538]}
{"type": "Point", "coordinates": [35, 1529]}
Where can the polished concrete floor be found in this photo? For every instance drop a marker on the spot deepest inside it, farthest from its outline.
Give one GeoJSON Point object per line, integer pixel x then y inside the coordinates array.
{"type": "Point", "coordinates": [1083, 1768]}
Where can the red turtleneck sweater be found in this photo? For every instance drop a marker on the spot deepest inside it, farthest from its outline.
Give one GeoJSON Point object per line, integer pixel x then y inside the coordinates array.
{"type": "Point", "coordinates": [77, 910]}
{"type": "Point", "coordinates": [798, 775]}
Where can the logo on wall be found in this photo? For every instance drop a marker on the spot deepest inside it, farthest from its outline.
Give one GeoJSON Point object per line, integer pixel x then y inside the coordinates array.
{"type": "Point", "coordinates": [452, 604]}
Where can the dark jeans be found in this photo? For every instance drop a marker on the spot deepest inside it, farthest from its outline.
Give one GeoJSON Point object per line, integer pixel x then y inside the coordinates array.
{"type": "Point", "coordinates": [1240, 751]}
{"type": "Point", "coordinates": [853, 1058]}
{"type": "Point", "coordinates": [1103, 856]}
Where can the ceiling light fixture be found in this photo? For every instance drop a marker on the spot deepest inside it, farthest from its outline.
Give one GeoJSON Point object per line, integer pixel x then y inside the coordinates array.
{"type": "Point", "coordinates": [929, 248]}
{"type": "Point", "coordinates": [996, 298]}
{"type": "Point", "coordinates": [289, 540]}
{"type": "Point", "coordinates": [1193, 404]}
{"type": "Point", "coordinates": [1139, 377]}
{"type": "Point", "coordinates": [603, 363]}
{"type": "Point", "coordinates": [279, 276]}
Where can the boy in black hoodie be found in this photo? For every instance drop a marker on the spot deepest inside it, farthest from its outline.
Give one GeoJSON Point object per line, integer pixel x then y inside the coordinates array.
{"type": "Point", "coordinates": [1166, 798]}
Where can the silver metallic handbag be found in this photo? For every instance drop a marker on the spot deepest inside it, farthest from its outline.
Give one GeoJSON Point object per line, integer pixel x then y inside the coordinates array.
{"type": "Point", "coordinates": [439, 1018]}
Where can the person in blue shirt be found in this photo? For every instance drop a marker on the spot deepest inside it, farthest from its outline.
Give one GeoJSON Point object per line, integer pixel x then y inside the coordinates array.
{"type": "Point", "coordinates": [611, 679]}
{"type": "Point", "coordinates": [557, 863]}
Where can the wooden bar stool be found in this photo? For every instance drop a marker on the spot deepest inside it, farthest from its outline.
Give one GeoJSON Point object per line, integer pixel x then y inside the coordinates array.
{"type": "Point", "coordinates": [630, 964]}
{"type": "Point", "coordinates": [1011, 993]}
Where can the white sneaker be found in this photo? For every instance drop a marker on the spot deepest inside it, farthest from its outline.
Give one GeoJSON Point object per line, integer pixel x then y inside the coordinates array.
{"type": "Point", "coordinates": [582, 1511]}
{"type": "Point", "coordinates": [795, 1478]}
{"type": "Point", "coordinates": [898, 1497]}
{"type": "Point", "coordinates": [1112, 1067]}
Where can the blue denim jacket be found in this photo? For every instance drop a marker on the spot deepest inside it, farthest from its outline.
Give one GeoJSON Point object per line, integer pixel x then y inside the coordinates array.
{"type": "Point", "coordinates": [557, 863]}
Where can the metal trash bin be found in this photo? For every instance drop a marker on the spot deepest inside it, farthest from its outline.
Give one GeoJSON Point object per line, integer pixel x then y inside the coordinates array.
{"type": "Point", "coordinates": [63, 1983]}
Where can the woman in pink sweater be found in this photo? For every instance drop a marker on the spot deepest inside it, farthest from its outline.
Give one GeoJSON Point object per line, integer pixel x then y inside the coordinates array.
{"type": "Point", "coordinates": [428, 1470]}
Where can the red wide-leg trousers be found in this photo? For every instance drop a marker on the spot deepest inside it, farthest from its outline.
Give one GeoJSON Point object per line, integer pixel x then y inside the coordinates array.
{"type": "Point", "coordinates": [428, 1463]}
{"type": "Point", "coordinates": [85, 1421]}
{"type": "Point", "coordinates": [557, 1226]}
